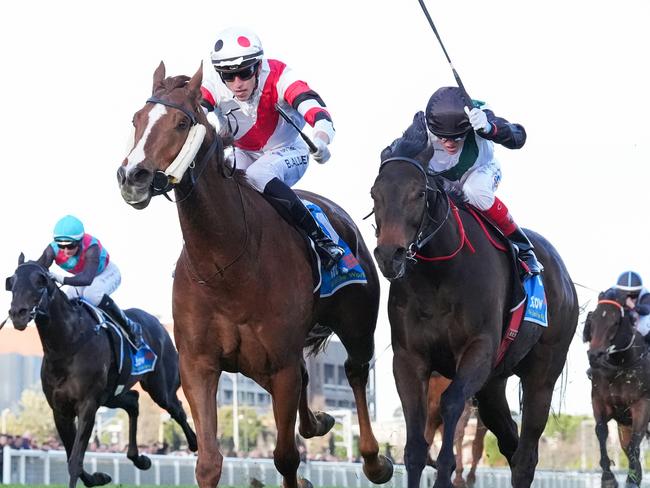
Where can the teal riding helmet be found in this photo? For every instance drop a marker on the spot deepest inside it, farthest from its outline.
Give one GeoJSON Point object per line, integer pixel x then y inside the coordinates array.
{"type": "Point", "coordinates": [69, 228]}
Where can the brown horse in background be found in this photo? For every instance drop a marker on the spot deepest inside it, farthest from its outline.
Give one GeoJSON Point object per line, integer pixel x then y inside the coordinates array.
{"type": "Point", "coordinates": [243, 297]}
{"type": "Point", "coordinates": [620, 381]}
{"type": "Point", "coordinates": [437, 385]}
{"type": "Point", "coordinates": [449, 315]}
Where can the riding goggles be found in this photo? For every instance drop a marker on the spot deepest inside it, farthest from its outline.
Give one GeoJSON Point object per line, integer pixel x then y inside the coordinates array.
{"type": "Point", "coordinates": [243, 74]}
{"type": "Point", "coordinates": [456, 138]}
{"type": "Point", "coordinates": [67, 244]}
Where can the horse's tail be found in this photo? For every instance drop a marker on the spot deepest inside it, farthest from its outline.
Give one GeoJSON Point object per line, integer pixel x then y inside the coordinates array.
{"type": "Point", "coordinates": [317, 339]}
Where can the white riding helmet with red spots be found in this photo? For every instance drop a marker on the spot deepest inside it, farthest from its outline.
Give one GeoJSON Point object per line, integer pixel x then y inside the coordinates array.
{"type": "Point", "coordinates": [236, 48]}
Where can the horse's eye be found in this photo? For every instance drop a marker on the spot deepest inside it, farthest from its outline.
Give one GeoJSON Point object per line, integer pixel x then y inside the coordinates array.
{"type": "Point", "coordinates": [183, 125]}
{"type": "Point", "coordinates": [422, 194]}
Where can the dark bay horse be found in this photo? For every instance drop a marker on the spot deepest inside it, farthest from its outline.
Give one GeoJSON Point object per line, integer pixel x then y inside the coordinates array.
{"type": "Point", "coordinates": [448, 315]}
{"type": "Point", "coordinates": [80, 372]}
{"type": "Point", "coordinates": [437, 385]}
{"type": "Point", "coordinates": [620, 381]}
{"type": "Point", "coordinates": [243, 297]}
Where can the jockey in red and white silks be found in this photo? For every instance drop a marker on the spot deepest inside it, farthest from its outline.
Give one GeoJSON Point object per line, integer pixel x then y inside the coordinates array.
{"type": "Point", "coordinates": [245, 87]}
{"type": "Point", "coordinates": [266, 145]}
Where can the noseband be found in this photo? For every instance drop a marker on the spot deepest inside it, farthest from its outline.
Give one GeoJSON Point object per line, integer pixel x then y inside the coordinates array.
{"type": "Point", "coordinates": [612, 348]}
{"type": "Point", "coordinates": [163, 182]}
{"type": "Point", "coordinates": [422, 234]}
{"type": "Point", "coordinates": [43, 305]}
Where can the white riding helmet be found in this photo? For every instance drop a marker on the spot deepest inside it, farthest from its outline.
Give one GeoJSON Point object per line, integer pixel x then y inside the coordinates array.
{"type": "Point", "coordinates": [236, 48]}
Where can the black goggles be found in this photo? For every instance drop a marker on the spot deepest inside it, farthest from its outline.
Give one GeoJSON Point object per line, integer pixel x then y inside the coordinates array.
{"type": "Point", "coordinates": [67, 245]}
{"type": "Point", "coordinates": [243, 74]}
{"type": "Point", "coordinates": [456, 138]}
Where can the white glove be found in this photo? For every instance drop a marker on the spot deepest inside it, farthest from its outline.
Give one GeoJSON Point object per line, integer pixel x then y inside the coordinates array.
{"type": "Point", "coordinates": [57, 277]}
{"type": "Point", "coordinates": [322, 153]}
{"type": "Point", "coordinates": [478, 119]}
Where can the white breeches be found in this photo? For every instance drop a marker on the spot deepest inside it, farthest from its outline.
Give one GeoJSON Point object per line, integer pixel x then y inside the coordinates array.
{"type": "Point", "coordinates": [479, 184]}
{"type": "Point", "coordinates": [287, 164]}
{"type": "Point", "coordinates": [105, 282]}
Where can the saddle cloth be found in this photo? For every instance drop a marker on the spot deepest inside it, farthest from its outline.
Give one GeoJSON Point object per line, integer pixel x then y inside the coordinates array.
{"type": "Point", "coordinates": [347, 271]}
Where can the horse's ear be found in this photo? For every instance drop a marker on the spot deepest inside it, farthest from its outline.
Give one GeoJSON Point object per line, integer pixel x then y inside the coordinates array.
{"type": "Point", "coordinates": [194, 85]}
{"type": "Point", "coordinates": [586, 332]}
{"type": "Point", "coordinates": [425, 156]}
{"type": "Point", "coordinates": [21, 259]}
{"type": "Point", "coordinates": [158, 77]}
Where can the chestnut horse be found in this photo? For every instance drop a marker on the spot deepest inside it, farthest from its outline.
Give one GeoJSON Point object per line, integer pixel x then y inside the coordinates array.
{"type": "Point", "coordinates": [243, 298]}
{"type": "Point", "coordinates": [449, 315]}
{"type": "Point", "coordinates": [620, 381]}
{"type": "Point", "coordinates": [80, 370]}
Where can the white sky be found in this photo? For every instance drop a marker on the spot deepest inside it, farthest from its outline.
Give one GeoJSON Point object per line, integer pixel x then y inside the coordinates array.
{"type": "Point", "coordinates": [573, 73]}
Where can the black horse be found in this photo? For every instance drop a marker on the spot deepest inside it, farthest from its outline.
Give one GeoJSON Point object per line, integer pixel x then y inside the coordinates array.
{"type": "Point", "coordinates": [447, 314]}
{"type": "Point", "coordinates": [620, 381]}
{"type": "Point", "coordinates": [80, 372]}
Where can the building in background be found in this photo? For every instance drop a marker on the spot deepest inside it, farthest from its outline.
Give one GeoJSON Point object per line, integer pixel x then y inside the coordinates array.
{"type": "Point", "coordinates": [21, 357]}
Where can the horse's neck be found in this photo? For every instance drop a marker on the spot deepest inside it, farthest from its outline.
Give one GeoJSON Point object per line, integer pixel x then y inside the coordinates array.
{"type": "Point", "coordinates": [62, 325]}
{"type": "Point", "coordinates": [216, 218]}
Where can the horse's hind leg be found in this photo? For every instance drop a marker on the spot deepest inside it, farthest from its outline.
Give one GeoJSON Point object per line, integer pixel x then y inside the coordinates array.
{"type": "Point", "coordinates": [311, 423]}
{"type": "Point", "coordinates": [129, 402]}
{"type": "Point", "coordinates": [495, 412]}
{"type": "Point", "coordinates": [437, 384]}
{"type": "Point", "coordinates": [285, 389]}
{"type": "Point", "coordinates": [162, 386]}
{"type": "Point", "coordinates": [639, 411]}
{"type": "Point", "coordinates": [67, 431]}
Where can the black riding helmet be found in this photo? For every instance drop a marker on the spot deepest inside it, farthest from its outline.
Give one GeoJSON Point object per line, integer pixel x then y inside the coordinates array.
{"type": "Point", "coordinates": [445, 113]}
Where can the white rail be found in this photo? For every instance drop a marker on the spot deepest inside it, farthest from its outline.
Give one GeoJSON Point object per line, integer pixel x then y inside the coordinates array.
{"type": "Point", "coordinates": [27, 467]}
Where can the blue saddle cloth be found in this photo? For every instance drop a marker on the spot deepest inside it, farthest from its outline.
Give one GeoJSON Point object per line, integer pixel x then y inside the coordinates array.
{"type": "Point", "coordinates": [143, 360]}
{"type": "Point", "coordinates": [347, 271]}
{"type": "Point", "coordinates": [536, 303]}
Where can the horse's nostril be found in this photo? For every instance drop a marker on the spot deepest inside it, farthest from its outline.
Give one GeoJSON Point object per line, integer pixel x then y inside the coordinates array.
{"type": "Point", "coordinates": [400, 254]}
{"type": "Point", "coordinates": [140, 176]}
{"type": "Point", "coordinates": [121, 175]}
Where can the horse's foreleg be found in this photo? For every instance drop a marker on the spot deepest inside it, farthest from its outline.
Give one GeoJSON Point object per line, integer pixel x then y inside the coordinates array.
{"type": "Point", "coordinates": [459, 435]}
{"type": "Point", "coordinates": [477, 450]}
{"type": "Point", "coordinates": [128, 401]}
{"type": "Point", "coordinates": [411, 377]}
{"type": "Point", "coordinates": [437, 384]}
{"type": "Point", "coordinates": [65, 426]}
{"type": "Point", "coordinates": [200, 379]}
{"type": "Point", "coordinates": [376, 467]}
{"type": "Point", "coordinates": [640, 416]}
{"type": "Point", "coordinates": [85, 423]}
{"type": "Point", "coordinates": [608, 480]}
{"type": "Point", "coordinates": [285, 390]}
{"type": "Point", "coordinates": [311, 423]}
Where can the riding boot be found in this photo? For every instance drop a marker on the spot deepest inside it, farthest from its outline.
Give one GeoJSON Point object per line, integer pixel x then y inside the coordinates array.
{"type": "Point", "coordinates": [498, 214]}
{"type": "Point", "coordinates": [327, 249]}
{"type": "Point", "coordinates": [525, 251]}
{"type": "Point", "coordinates": [132, 328]}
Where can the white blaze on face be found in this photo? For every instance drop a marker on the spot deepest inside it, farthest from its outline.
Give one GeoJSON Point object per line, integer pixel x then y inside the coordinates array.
{"type": "Point", "coordinates": [137, 154]}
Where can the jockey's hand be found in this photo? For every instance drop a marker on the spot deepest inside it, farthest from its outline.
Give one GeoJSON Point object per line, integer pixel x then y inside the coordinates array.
{"type": "Point", "coordinates": [322, 154]}
{"type": "Point", "coordinates": [478, 119]}
{"type": "Point", "coordinates": [57, 277]}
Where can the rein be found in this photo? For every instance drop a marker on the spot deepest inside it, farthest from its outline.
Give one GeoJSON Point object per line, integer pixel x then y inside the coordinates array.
{"type": "Point", "coordinates": [422, 237]}
{"type": "Point", "coordinates": [612, 348]}
{"type": "Point", "coordinates": [162, 182]}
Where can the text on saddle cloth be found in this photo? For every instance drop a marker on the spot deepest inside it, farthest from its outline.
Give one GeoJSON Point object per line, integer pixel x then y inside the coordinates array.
{"type": "Point", "coordinates": [347, 270]}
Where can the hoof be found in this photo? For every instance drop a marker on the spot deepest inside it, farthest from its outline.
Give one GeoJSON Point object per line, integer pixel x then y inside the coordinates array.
{"type": "Point", "coordinates": [324, 423]}
{"type": "Point", "coordinates": [471, 480]}
{"type": "Point", "coordinates": [96, 479]}
{"type": "Point", "coordinates": [304, 483]}
{"type": "Point", "coordinates": [459, 482]}
{"type": "Point", "coordinates": [382, 474]}
{"type": "Point", "coordinates": [142, 462]}
{"type": "Point", "coordinates": [608, 481]}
